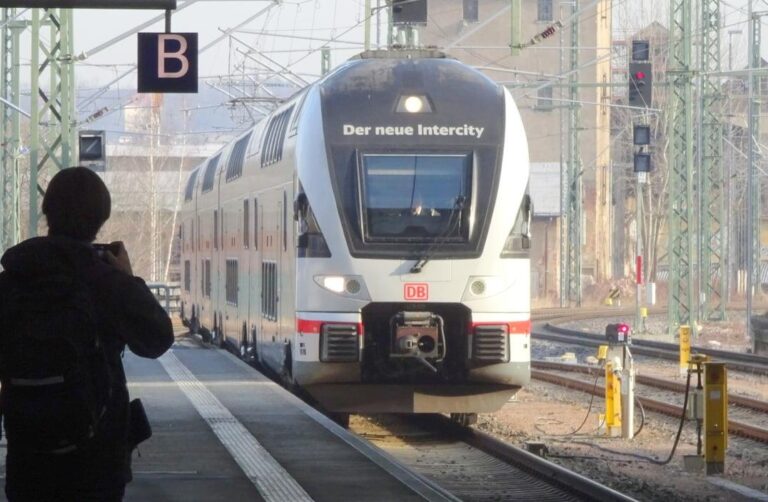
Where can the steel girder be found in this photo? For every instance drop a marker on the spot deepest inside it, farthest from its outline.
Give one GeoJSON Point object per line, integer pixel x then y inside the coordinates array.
{"type": "Point", "coordinates": [52, 105]}
{"type": "Point", "coordinates": [713, 243]}
{"type": "Point", "coordinates": [682, 229]}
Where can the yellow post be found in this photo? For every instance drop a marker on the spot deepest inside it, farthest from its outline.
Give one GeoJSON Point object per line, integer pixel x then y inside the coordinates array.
{"type": "Point", "coordinates": [685, 348]}
{"type": "Point", "coordinates": [715, 416]}
{"type": "Point", "coordinates": [612, 401]}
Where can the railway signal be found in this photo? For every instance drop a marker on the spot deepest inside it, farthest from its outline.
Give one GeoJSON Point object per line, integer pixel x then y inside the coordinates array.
{"type": "Point", "coordinates": [640, 85]}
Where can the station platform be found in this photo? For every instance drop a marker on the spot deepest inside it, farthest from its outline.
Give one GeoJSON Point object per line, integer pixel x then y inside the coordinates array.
{"type": "Point", "coordinates": [224, 432]}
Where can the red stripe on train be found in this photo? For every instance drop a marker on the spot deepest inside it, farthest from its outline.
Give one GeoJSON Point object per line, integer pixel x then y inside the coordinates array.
{"type": "Point", "coordinates": [312, 327]}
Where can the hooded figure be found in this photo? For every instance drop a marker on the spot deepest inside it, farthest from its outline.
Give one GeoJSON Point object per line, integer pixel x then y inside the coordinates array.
{"type": "Point", "coordinates": [76, 205]}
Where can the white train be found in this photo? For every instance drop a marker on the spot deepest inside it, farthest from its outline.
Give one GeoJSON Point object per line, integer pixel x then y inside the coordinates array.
{"type": "Point", "coordinates": [369, 241]}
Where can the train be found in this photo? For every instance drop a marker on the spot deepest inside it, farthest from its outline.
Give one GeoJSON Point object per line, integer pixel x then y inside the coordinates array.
{"type": "Point", "coordinates": [369, 240]}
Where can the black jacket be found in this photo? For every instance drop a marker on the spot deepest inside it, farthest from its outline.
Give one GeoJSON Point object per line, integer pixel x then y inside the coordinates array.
{"type": "Point", "coordinates": [128, 314]}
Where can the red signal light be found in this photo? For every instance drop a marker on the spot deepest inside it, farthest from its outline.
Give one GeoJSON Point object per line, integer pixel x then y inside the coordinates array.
{"type": "Point", "coordinates": [623, 328]}
{"type": "Point", "coordinates": [640, 75]}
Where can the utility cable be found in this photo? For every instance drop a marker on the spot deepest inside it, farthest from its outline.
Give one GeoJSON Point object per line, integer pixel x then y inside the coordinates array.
{"type": "Point", "coordinates": [638, 456]}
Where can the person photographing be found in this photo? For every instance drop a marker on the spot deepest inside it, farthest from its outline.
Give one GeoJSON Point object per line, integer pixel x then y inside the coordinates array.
{"type": "Point", "coordinates": [69, 308]}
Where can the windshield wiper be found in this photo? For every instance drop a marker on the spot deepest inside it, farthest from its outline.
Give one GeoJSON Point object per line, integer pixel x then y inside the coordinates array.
{"type": "Point", "coordinates": [458, 207]}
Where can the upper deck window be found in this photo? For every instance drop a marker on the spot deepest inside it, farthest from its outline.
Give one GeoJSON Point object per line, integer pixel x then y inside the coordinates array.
{"type": "Point", "coordinates": [210, 173]}
{"type": "Point", "coordinates": [237, 158]}
{"type": "Point", "coordinates": [188, 192]}
{"type": "Point", "coordinates": [272, 150]}
{"type": "Point", "coordinates": [415, 198]}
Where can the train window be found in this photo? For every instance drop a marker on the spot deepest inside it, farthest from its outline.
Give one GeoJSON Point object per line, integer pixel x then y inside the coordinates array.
{"type": "Point", "coordinates": [210, 173]}
{"type": "Point", "coordinates": [256, 138]}
{"type": "Point", "coordinates": [272, 150]}
{"type": "Point", "coordinates": [206, 277]}
{"type": "Point", "coordinates": [295, 119]}
{"type": "Point", "coordinates": [237, 158]}
{"type": "Point", "coordinates": [269, 290]}
{"type": "Point", "coordinates": [187, 278]}
{"type": "Point", "coordinates": [518, 243]}
{"type": "Point", "coordinates": [215, 229]}
{"type": "Point", "coordinates": [246, 224]}
{"type": "Point", "coordinates": [189, 191]}
{"type": "Point", "coordinates": [311, 242]}
{"type": "Point", "coordinates": [415, 198]}
{"type": "Point", "coordinates": [255, 223]}
{"type": "Point", "coordinates": [230, 284]}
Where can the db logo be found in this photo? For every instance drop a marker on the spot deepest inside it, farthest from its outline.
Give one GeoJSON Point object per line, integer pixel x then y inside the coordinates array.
{"type": "Point", "coordinates": [416, 291]}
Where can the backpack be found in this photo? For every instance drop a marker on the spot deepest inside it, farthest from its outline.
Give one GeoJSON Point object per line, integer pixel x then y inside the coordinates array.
{"type": "Point", "coordinates": [54, 372]}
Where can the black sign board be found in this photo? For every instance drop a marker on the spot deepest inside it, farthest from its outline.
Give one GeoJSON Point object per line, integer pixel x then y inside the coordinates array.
{"type": "Point", "coordinates": [168, 62]}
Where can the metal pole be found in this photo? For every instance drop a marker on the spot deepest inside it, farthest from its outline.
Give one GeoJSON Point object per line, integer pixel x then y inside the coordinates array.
{"type": "Point", "coordinates": [367, 13]}
{"type": "Point", "coordinates": [711, 189]}
{"type": "Point", "coordinates": [515, 37]}
{"type": "Point", "coordinates": [682, 229]}
{"type": "Point", "coordinates": [639, 261]}
{"type": "Point", "coordinates": [753, 194]}
{"type": "Point", "coordinates": [34, 125]}
{"type": "Point", "coordinates": [575, 178]}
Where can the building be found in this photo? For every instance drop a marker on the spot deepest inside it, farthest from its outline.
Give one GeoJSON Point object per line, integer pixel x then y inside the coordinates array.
{"type": "Point", "coordinates": [478, 32]}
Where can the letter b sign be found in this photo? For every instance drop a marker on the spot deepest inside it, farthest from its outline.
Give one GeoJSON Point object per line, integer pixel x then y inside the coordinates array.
{"type": "Point", "coordinates": [168, 62]}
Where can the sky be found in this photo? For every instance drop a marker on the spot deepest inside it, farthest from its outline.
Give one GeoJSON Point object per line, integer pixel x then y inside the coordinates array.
{"type": "Point", "coordinates": [313, 19]}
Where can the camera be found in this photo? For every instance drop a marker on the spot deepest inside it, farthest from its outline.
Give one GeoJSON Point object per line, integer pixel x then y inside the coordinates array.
{"type": "Point", "coordinates": [101, 249]}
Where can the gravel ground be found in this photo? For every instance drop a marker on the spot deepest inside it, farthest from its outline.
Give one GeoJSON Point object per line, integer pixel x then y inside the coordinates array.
{"type": "Point", "coordinates": [551, 414]}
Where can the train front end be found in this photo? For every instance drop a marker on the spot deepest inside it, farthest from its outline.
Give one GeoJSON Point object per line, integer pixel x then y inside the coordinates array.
{"type": "Point", "coordinates": [412, 269]}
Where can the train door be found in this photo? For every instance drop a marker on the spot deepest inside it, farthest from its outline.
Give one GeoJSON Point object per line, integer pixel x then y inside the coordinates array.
{"type": "Point", "coordinates": [230, 270]}
{"type": "Point", "coordinates": [288, 277]}
{"type": "Point", "coordinates": [254, 281]}
{"type": "Point", "coordinates": [283, 339]}
{"type": "Point", "coordinates": [270, 281]}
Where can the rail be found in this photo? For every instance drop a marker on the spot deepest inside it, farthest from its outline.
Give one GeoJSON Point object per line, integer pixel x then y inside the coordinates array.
{"type": "Point", "coordinates": [168, 294]}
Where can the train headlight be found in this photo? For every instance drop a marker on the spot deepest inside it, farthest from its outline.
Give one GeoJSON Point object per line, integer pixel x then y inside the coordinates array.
{"type": "Point", "coordinates": [484, 286]}
{"type": "Point", "coordinates": [333, 283]}
{"type": "Point", "coordinates": [352, 286]}
{"type": "Point", "coordinates": [414, 103]}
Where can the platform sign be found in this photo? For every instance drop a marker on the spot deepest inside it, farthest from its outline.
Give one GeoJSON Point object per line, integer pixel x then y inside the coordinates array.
{"type": "Point", "coordinates": [167, 62]}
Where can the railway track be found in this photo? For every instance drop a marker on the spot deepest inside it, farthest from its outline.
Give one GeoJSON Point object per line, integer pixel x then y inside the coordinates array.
{"type": "Point", "coordinates": [740, 423]}
{"type": "Point", "coordinates": [747, 363]}
{"type": "Point", "coordinates": [473, 465]}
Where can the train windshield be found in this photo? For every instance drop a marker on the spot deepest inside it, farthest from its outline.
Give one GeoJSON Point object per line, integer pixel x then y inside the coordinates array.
{"type": "Point", "coordinates": [415, 197]}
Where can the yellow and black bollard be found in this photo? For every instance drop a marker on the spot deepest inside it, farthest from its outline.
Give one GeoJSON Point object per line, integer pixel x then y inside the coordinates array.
{"type": "Point", "coordinates": [685, 349]}
{"type": "Point", "coordinates": [612, 399]}
{"type": "Point", "coordinates": [715, 416]}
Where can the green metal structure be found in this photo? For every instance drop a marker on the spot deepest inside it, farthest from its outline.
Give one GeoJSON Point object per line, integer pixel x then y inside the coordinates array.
{"type": "Point", "coordinates": [572, 180]}
{"type": "Point", "coordinates": [52, 128]}
{"type": "Point", "coordinates": [10, 129]}
{"type": "Point", "coordinates": [681, 223]}
{"type": "Point", "coordinates": [753, 161]}
{"type": "Point", "coordinates": [713, 237]}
